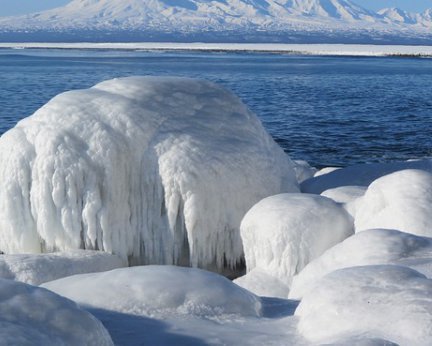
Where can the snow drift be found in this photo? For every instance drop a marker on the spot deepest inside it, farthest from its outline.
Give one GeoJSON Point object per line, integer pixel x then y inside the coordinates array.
{"type": "Point", "coordinates": [283, 233]}
{"type": "Point", "coordinates": [370, 247]}
{"type": "Point", "coordinates": [35, 316]}
{"type": "Point", "coordinates": [156, 170]}
{"type": "Point", "coordinates": [388, 302]}
{"type": "Point", "coordinates": [401, 200]}
{"type": "Point", "coordinates": [35, 269]}
{"type": "Point", "coordinates": [155, 290]}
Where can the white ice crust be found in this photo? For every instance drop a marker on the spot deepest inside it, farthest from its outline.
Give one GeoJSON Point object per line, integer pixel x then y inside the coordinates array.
{"type": "Point", "coordinates": [31, 315]}
{"type": "Point", "coordinates": [159, 290]}
{"type": "Point", "coordinates": [35, 269]}
{"type": "Point", "coordinates": [370, 247]}
{"type": "Point", "coordinates": [387, 302]}
{"type": "Point", "coordinates": [283, 233]}
{"type": "Point", "coordinates": [156, 170]}
{"type": "Point", "coordinates": [402, 201]}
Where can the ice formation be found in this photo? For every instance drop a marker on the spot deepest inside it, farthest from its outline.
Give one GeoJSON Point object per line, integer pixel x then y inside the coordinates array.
{"type": "Point", "coordinates": [156, 170]}
{"type": "Point", "coordinates": [345, 194]}
{"type": "Point", "coordinates": [360, 175]}
{"type": "Point", "coordinates": [370, 247]}
{"type": "Point", "coordinates": [303, 170]}
{"type": "Point", "coordinates": [388, 302]}
{"type": "Point", "coordinates": [283, 233]}
{"type": "Point", "coordinates": [35, 316]}
{"type": "Point", "coordinates": [401, 200]}
{"type": "Point", "coordinates": [262, 284]}
{"type": "Point", "coordinates": [39, 268]}
{"type": "Point", "coordinates": [155, 290]}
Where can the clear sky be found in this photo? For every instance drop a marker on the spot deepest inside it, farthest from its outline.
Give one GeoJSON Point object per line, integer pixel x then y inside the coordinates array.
{"type": "Point", "coordinates": [14, 7]}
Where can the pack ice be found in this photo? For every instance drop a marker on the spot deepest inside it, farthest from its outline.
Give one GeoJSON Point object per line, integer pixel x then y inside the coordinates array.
{"type": "Point", "coordinates": [156, 170]}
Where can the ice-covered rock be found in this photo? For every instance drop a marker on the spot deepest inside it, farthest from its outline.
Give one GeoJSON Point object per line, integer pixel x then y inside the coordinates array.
{"type": "Point", "coordinates": [35, 316]}
{"type": "Point", "coordinates": [401, 200]}
{"type": "Point", "coordinates": [156, 170]}
{"type": "Point", "coordinates": [388, 302]}
{"type": "Point", "coordinates": [370, 247]}
{"type": "Point", "coordinates": [283, 233]}
{"type": "Point", "coordinates": [325, 170]}
{"type": "Point", "coordinates": [360, 175]}
{"type": "Point", "coordinates": [262, 284]}
{"type": "Point", "coordinates": [155, 290]}
{"type": "Point", "coordinates": [303, 170]}
{"type": "Point", "coordinates": [345, 194]}
{"type": "Point", "coordinates": [348, 196]}
{"type": "Point", "coordinates": [39, 268]}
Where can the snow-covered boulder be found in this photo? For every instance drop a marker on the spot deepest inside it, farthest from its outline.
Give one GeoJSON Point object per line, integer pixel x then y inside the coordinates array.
{"type": "Point", "coordinates": [35, 316]}
{"type": "Point", "coordinates": [158, 290]}
{"type": "Point", "coordinates": [283, 233]}
{"type": "Point", "coordinates": [39, 268]}
{"type": "Point", "coordinates": [360, 175]}
{"type": "Point", "coordinates": [402, 201]}
{"type": "Point", "coordinates": [370, 247]}
{"type": "Point", "coordinates": [262, 284]}
{"type": "Point", "coordinates": [388, 302]}
{"type": "Point", "coordinates": [156, 170]}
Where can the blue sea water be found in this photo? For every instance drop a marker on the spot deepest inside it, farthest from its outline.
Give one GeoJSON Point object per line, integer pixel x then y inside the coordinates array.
{"type": "Point", "coordinates": [326, 110]}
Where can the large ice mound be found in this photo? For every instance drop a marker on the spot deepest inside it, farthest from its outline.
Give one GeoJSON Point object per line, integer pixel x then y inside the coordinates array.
{"type": "Point", "coordinates": [388, 302]}
{"type": "Point", "coordinates": [155, 290]}
{"type": "Point", "coordinates": [35, 316]}
{"type": "Point", "coordinates": [370, 247]}
{"type": "Point", "coordinates": [401, 200]}
{"type": "Point", "coordinates": [35, 269]}
{"type": "Point", "coordinates": [283, 233]}
{"type": "Point", "coordinates": [156, 170]}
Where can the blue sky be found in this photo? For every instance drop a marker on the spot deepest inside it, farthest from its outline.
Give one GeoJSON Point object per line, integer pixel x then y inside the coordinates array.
{"type": "Point", "coordinates": [13, 7]}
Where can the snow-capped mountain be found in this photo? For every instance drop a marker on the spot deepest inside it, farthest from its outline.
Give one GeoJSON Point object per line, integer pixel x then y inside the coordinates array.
{"type": "Point", "coordinates": [244, 20]}
{"type": "Point", "coordinates": [396, 15]}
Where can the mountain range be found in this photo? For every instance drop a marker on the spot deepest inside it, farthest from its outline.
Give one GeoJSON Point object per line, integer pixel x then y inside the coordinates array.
{"type": "Point", "coordinates": [330, 21]}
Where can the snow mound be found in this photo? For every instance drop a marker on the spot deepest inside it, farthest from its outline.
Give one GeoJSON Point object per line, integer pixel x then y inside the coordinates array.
{"type": "Point", "coordinates": [388, 302]}
{"type": "Point", "coordinates": [360, 175]}
{"type": "Point", "coordinates": [35, 269]}
{"type": "Point", "coordinates": [150, 290]}
{"type": "Point", "coordinates": [402, 201]}
{"type": "Point", "coordinates": [156, 170]}
{"type": "Point", "coordinates": [262, 284]}
{"type": "Point", "coordinates": [283, 233]}
{"type": "Point", "coordinates": [35, 316]}
{"type": "Point", "coordinates": [370, 247]}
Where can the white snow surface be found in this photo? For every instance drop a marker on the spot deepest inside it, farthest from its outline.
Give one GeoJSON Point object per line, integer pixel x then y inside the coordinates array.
{"type": "Point", "coordinates": [155, 170]}
{"type": "Point", "coordinates": [401, 200]}
{"type": "Point", "coordinates": [370, 247]}
{"type": "Point", "coordinates": [262, 284]}
{"type": "Point", "coordinates": [35, 316]}
{"type": "Point", "coordinates": [283, 233]}
{"type": "Point", "coordinates": [159, 291]}
{"type": "Point", "coordinates": [35, 269]}
{"type": "Point", "coordinates": [388, 302]}
{"type": "Point", "coordinates": [303, 49]}
{"type": "Point", "coordinates": [360, 175]}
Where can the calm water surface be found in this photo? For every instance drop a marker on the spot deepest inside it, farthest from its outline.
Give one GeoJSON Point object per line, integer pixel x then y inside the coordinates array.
{"type": "Point", "coordinates": [326, 110]}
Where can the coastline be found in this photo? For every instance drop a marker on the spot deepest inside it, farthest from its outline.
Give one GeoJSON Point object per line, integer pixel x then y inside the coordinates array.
{"type": "Point", "coordinates": [295, 49]}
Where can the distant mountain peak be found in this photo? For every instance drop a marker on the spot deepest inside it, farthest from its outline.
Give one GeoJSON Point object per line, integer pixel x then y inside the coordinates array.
{"type": "Point", "coordinates": [221, 18]}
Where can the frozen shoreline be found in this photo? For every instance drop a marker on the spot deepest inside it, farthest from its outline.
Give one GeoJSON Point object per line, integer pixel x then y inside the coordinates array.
{"type": "Point", "coordinates": [300, 49]}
